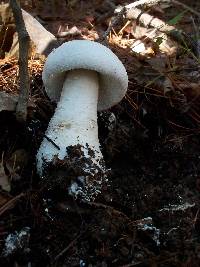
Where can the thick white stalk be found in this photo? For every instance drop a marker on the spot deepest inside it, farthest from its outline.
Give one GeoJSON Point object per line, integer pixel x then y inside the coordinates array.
{"type": "Point", "coordinates": [75, 119]}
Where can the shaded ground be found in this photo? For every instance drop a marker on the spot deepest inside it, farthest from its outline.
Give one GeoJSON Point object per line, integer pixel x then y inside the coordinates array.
{"type": "Point", "coordinates": [149, 213]}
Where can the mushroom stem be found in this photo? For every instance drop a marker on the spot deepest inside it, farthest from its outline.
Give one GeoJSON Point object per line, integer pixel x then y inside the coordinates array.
{"type": "Point", "coordinates": [75, 119]}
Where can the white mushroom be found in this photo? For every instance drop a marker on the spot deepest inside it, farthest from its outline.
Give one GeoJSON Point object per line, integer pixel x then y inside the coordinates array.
{"type": "Point", "coordinates": [83, 77]}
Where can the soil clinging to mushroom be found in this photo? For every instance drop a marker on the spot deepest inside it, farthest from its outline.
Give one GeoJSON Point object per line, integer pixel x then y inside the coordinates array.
{"type": "Point", "coordinates": [148, 216]}
{"type": "Point", "coordinates": [77, 175]}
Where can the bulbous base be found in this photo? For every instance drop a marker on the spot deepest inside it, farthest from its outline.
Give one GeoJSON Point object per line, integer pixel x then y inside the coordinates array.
{"type": "Point", "coordinates": [80, 176]}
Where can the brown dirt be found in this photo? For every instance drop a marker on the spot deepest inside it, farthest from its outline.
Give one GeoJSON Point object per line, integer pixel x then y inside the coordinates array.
{"type": "Point", "coordinates": [148, 214]}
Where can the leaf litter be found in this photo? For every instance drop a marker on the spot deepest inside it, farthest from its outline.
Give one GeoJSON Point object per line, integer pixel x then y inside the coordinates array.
{"type": "Point", "coordinates": [149, 211]}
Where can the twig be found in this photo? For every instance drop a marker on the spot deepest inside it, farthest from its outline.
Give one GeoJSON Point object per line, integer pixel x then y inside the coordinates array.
{"type": "Point", "coordinates": [150, 21]}
{"type": "Point", "coordinates": [113, 23]}
{"type": "Point", "coordinates": [154, 2]}
{"type": "Point", "coordinates": [144, 18]}
{"type": "Point", "coordinates": [131, 12]}
{"type": "Point", "coordinates": [150, 262]}
{"type": "Point", "coordinates": [197, 37]}
{"type": "Point", "coordinates": [110, 209]}
{"type": "Point", "coordinates": [24, 40]}
{"type": "Point", "coordinates": [51, 141]}
{"type": "Point", "coordinates": [10, 203]}
{"type": "Point", "coordinates": [67, 248]}
{"type": "Point", "coordinates": [141, 3]}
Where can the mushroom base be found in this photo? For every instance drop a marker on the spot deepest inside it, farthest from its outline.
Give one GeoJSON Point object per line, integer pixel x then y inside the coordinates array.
{"type": "Point", "coordinates": [80, 175]}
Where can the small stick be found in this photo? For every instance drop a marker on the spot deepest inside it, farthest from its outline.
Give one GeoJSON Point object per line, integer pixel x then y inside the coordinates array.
{"type": "Point", "coordinates": [131, 12]}
{"type": "Point", "coordinates": [8, 205]}
{"type": "Point", "coordinates": [72, 243]}
{"type": "Point", "coordinates": [24, 40]}
{"type": "Point", "coordinates": [51, 141]}
{"type": "Point", "coordinates": [142, 2]}
{"type": "Point", "coordinates": [197, 37]}
{"type": "Point", "coordinates": [154, 2]}
{"type": "Point", "coordinates": [113, 23]}
{"type": "Point", "coordinates": [150, 21]}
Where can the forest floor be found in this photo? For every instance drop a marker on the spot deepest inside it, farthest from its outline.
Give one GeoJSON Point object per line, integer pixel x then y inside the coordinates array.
{"type": "Point", "coordinates": [148, 214]}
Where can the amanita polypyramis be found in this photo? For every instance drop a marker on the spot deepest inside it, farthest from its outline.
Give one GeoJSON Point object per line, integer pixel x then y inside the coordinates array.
{"type": "Point", "coordinates": [82, 77]}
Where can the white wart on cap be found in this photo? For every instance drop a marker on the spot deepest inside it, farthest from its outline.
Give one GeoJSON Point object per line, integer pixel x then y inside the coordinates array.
{"type": "Point", "coordinates": [82, 77]}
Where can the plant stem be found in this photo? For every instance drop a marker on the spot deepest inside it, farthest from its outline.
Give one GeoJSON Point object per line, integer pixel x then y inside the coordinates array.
{"type": "Point", "coordinates": [24, 40]}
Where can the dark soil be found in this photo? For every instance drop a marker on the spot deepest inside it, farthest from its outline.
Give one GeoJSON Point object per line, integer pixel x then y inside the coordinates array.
{"type": "Point", "coordinates": [146, 216]}
{"type": "Point", "coordinates": [73, 175]}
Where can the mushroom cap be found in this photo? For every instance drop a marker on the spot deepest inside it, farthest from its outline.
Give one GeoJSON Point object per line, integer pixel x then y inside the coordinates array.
{"type": "Point", "coordinates": [90, 55]}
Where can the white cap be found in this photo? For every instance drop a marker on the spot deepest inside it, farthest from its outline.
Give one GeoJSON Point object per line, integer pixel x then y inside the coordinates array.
{"type": "Point", "coordinates": [90, 55]}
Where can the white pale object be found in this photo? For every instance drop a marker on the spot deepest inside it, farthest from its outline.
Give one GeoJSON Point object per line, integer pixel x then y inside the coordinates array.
{"type": "Point", "coordinates": [75, 118]}
{"type": "Point", "coordinates": [82, 77]}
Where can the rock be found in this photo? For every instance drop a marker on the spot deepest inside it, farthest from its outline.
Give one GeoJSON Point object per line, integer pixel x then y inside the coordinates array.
{"type": "Point", "coordinates": [7, 101]}
{"type": "Point", "coordinates": [43, 41]}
